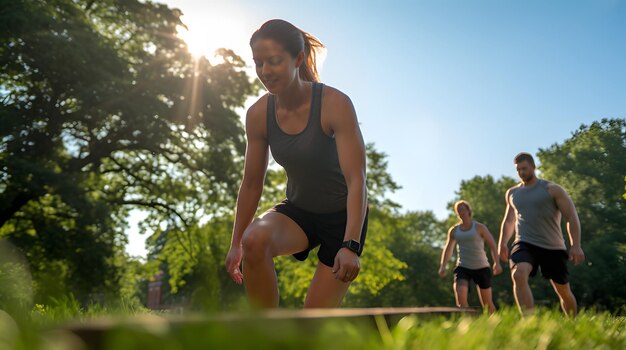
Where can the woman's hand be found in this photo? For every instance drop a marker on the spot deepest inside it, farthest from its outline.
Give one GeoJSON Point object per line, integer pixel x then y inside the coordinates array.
{"type": "Point", "coordinates": [347, 265]}
{"type": "Point", "coordinates": [232, 263]}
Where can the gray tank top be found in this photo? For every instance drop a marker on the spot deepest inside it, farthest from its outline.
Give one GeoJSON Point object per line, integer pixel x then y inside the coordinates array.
{"type": "Point", "coordinates": [315, 182]}
{"type": "Point", "coordinates": [538, 219]}
{"type": "Point", "coordinates": [470, 248]}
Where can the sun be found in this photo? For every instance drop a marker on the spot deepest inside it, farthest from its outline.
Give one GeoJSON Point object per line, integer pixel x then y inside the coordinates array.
{"type": "Point", "coordinates": [204, 36]}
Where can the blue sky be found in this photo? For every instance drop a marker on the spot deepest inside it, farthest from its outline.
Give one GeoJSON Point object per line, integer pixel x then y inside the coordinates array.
{"type": "Point", "coordinates": [450, 89]}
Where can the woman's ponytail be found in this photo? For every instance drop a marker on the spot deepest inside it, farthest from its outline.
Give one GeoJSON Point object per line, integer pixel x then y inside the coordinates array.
{"type": "Point", "coordinates": [312, 47]}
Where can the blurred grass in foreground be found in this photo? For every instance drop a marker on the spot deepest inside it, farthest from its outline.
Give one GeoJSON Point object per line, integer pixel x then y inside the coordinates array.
{"type": "Point", "coordinates": [129, 327]}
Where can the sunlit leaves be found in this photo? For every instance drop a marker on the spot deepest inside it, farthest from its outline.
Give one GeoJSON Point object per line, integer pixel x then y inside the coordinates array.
{"type": "Point", "coordinates": [104, 110]}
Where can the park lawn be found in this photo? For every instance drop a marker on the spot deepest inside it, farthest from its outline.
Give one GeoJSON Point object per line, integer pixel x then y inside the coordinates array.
{"type": "Point", "coordinates": [547, 329]}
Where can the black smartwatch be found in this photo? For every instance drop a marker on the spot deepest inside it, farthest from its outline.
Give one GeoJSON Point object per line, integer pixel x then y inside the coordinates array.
{"type": "Point", "coordinates": [353, 245]}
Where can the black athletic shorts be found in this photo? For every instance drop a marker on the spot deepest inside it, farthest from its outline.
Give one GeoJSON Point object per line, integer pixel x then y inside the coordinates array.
{"type": "Point", "coordinates": [325, 230]}
{"type": "Point", "coordinates": [553, 263]}
{"type": "Point", "coordinates": [482, 277]}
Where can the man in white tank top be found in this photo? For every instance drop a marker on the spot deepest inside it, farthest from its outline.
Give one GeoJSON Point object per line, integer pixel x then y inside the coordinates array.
{"type": "Point", "coordinates": [534, 209]}
{"type": "Point", "coordinates": [472, 263]}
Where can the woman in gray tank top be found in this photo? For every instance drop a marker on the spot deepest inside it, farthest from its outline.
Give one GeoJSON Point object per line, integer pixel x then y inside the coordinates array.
{"type": "Point", "coordinates": [312, 131]}
{"type": "Point", "coordinates": [472, 264]}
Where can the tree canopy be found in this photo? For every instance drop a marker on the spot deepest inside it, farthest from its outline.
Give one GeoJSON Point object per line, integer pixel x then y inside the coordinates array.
{"type": "Point", "coordinates": [105, 110]}
{"type": "Point", "coordinates": [591, 166]}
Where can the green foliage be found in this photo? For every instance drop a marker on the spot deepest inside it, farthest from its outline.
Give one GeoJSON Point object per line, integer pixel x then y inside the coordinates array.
{"type": "Point", "coordinates": [379, 265]}
{"type": "Point", "coordinates": [104, 110]}
{"type": "Point", "coordinates": [67, 309]}
{"type": "Point", "coordinates": [379, 181]}
{"type": "Point", "coordinates": [274, 188]}
{"type": "Point", "coordinates": [590, 166]}
{"type": "Point", "coordinates": [411, 238]}
{"type": "Point", "coordinates": [16, 294]}
{"type": "Point", "coordinates": [599, 281]}
{"type": "Point", "coordinates": [193, 264]}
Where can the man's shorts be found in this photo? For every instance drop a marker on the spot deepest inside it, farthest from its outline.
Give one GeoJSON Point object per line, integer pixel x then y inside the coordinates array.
{"type": "Point", "coordinates": [553, 263]}
{"type": "Point", "coordinates": [482, 277]}
{"type": "Point", "coordinates": [325, 230]}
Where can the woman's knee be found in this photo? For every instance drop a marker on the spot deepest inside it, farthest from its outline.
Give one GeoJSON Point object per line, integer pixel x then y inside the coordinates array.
{"type": "Point", "coordinates": [256, 242]}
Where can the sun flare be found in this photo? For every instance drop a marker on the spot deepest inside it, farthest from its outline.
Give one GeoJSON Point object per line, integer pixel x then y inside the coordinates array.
{"type": "Point", "coordinates": [205, 36]}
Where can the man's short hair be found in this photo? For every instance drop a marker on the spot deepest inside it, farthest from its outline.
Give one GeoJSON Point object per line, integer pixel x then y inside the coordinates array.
{"type": "Point", "coordinates": [524, 156]}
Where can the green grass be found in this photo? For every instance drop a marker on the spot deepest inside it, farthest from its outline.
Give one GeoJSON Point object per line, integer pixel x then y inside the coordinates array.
{"type": "Point", "coordinates": [547, 329]}
{"type": "Point", "coordinates": [44, 328]}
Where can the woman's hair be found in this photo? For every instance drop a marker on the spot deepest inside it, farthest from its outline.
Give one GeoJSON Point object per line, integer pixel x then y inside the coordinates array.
{"type": "Point", "coordinates": [466, 204]}
{"type": "Point", "coordinates": [294, 40]}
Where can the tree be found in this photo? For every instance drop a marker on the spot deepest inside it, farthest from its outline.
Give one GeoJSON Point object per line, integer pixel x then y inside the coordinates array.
{"type": "Point", "coordinates": [105, 110]}
{"type": "Point", "coordinates": [591, 166]}
{"type": "Point", "coordinates": [379, 181]}
{"type": "Point", "coordinates": [413, 237]}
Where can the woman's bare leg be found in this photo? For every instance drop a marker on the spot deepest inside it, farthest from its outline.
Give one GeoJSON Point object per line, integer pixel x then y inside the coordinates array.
{"type": "Point", "coordinates": [270, 235]}
{"type": "Point", "coordinates": [325, 291]}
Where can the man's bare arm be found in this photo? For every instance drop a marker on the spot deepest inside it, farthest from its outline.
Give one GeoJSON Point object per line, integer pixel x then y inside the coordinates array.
{"type": "Point", "coordinates": [566, 206]}
{"type": "Point", "coordinates": [506, 229]}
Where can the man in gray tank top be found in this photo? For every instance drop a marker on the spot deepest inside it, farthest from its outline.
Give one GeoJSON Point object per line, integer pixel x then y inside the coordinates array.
{"type": "Point", "coordinates": [534, 209]}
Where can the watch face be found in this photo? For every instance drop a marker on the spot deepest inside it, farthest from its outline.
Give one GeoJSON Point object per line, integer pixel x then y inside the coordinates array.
{"type": "Point", "coordinates": [353, 245]}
